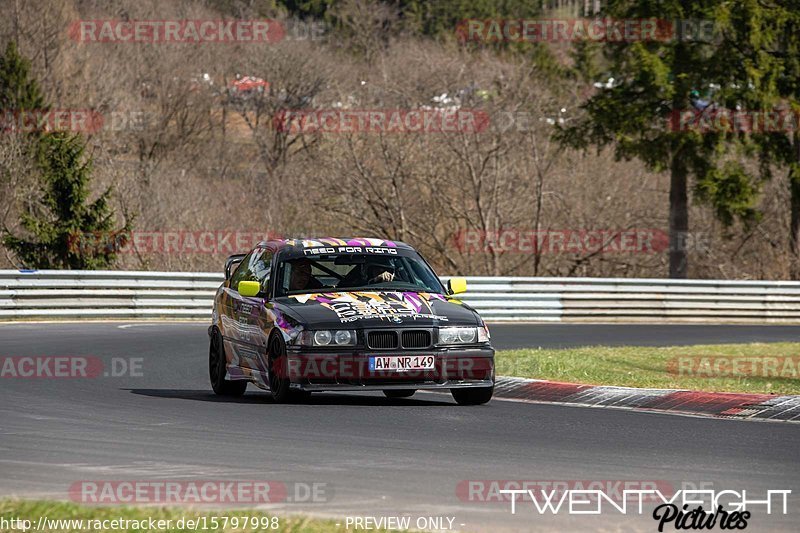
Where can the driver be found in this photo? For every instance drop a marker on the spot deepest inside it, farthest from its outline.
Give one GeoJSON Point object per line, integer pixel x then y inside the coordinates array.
{"type": "Point", "coordinates": [377, 273]}
{"type": "Point", "coordinates": [365, 274]}
{"type": "Point", "coordinates": [301, 278]}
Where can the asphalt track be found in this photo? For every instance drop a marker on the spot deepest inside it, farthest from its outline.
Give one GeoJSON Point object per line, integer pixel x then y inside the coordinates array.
{"type": "Point", "coordinates": [376, 456]}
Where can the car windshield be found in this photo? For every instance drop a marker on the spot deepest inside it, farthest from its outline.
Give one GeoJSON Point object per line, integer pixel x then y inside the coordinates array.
{"type": "Point", "coordinates": [355, 272]}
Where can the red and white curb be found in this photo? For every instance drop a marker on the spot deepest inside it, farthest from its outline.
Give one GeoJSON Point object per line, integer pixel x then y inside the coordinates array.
{"type": "Point", "coordinates": [713, 404]}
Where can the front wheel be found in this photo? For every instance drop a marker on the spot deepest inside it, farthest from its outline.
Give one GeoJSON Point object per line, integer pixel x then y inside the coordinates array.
{"type": "Point", "coordinates": [278, 370]}
{"type": "Point", "coordinates": [475, 396]}
{"type": "Point", "coordinates": [217, 369]}
{"type": "Point", "coordinates": [401, 393]}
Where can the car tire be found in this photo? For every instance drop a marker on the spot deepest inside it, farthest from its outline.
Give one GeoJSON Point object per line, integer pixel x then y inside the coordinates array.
{"type": "Point", "coordinates": [477, 396]}
{"type": "Point", "coordinates": [300, 395]}
{"type": "Point", "coordinates": [217, 369]}
{"type": "Point", "coordinates": [278, 370]}
{"type": "Point", "coordinates": [399, 393]}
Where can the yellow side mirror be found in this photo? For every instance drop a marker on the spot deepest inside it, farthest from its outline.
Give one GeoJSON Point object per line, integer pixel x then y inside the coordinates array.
{"type": "Point", "coordinates": [249, 288]}
{"type": "Point", "coordinates": [457, 285]}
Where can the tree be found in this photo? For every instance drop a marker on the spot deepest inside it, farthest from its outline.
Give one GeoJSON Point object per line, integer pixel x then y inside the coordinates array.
{"type": "Point", "coordinates": [18, 90]}
{"type": "Point", "coordinates": [442, 17]}
{"type": "Point", "coordinates": [61, 220]}
{"type": "Point", "coordinates": [764, 49]}
{"type": "Point", "coordinates": [653, 79]}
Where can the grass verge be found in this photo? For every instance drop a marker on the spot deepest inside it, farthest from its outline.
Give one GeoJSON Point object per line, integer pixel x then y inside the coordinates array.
{"type": "Point", "coordinates": [58, 515]}
{"type": "Point", "coordinates": [755, 368]}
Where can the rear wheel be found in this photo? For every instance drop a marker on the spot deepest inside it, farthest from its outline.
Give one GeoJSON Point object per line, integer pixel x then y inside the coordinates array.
{"type": "Point", "coordinates": [217, 369]}
{"type": "Point", "coordinates": [476, 396]}
{"type": "Point", "coordinates": [278, 370]}
{"type": "Point", "coordinates": [399, 393]}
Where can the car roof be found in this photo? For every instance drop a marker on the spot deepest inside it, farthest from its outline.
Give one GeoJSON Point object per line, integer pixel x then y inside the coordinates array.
{"type": "Point", "coordinates": [299, 244]}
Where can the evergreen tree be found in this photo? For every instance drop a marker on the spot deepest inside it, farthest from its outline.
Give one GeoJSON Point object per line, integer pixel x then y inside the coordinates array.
{"type": "Point", "coordinates": [653, 80]}
{"type": "Point", "coordinates": [18, 89]}
{"type": "Point", "coordinates": [764, 50]}
{"type": "Point", "coordinates": [64, 228]}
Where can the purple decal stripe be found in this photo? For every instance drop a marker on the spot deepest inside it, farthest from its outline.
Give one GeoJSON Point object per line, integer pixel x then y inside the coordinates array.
{"type": "Point", "coordinates": [412, 299]}
{"type": "Point", "coordinates": [330, 241]}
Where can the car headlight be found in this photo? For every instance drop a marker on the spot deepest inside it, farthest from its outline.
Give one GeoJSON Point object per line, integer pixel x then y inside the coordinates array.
{"type": "Point", "coordinates": [324, 337]}
{"type": "Point", "coordinates": [458, 335]}
{"type": "Point", "coordinates": [344, 337]}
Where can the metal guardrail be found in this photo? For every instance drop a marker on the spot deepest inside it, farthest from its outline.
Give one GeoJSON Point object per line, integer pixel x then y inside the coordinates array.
{"type": "Point", "coordinates": [50, 294]}
{"type": "Point", "coordinates": [106, 294]}
{"type": "Point", "coordinates": [632, 300]}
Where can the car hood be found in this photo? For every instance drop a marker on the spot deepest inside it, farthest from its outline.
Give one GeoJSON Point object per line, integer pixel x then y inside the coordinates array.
{"type": "Point", "coordinates": [376, 309]}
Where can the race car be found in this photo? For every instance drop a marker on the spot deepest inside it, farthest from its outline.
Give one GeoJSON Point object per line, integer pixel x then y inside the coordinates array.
{"type": "Point", "coordinates": [296, 316]}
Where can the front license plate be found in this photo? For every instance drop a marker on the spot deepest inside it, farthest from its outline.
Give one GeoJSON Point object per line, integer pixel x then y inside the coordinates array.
{"type": "Point", "coordinates": [401, 363]}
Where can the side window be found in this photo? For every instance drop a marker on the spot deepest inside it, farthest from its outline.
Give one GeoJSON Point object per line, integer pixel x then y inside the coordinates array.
{"type": "Point", "coordinates": [255, 267]}
{"type": "Point", "coordinates": [262, 268]}
{"type": "Point", "coordinates": [243, 270]}
{"type": "Point", "coordinates": [284, 274]}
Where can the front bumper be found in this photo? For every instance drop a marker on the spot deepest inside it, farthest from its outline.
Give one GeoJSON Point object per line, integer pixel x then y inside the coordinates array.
{"type": "Point", "coordinates": [447, 385]}
{"type": "Point", "coordinates": [349, 371]}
